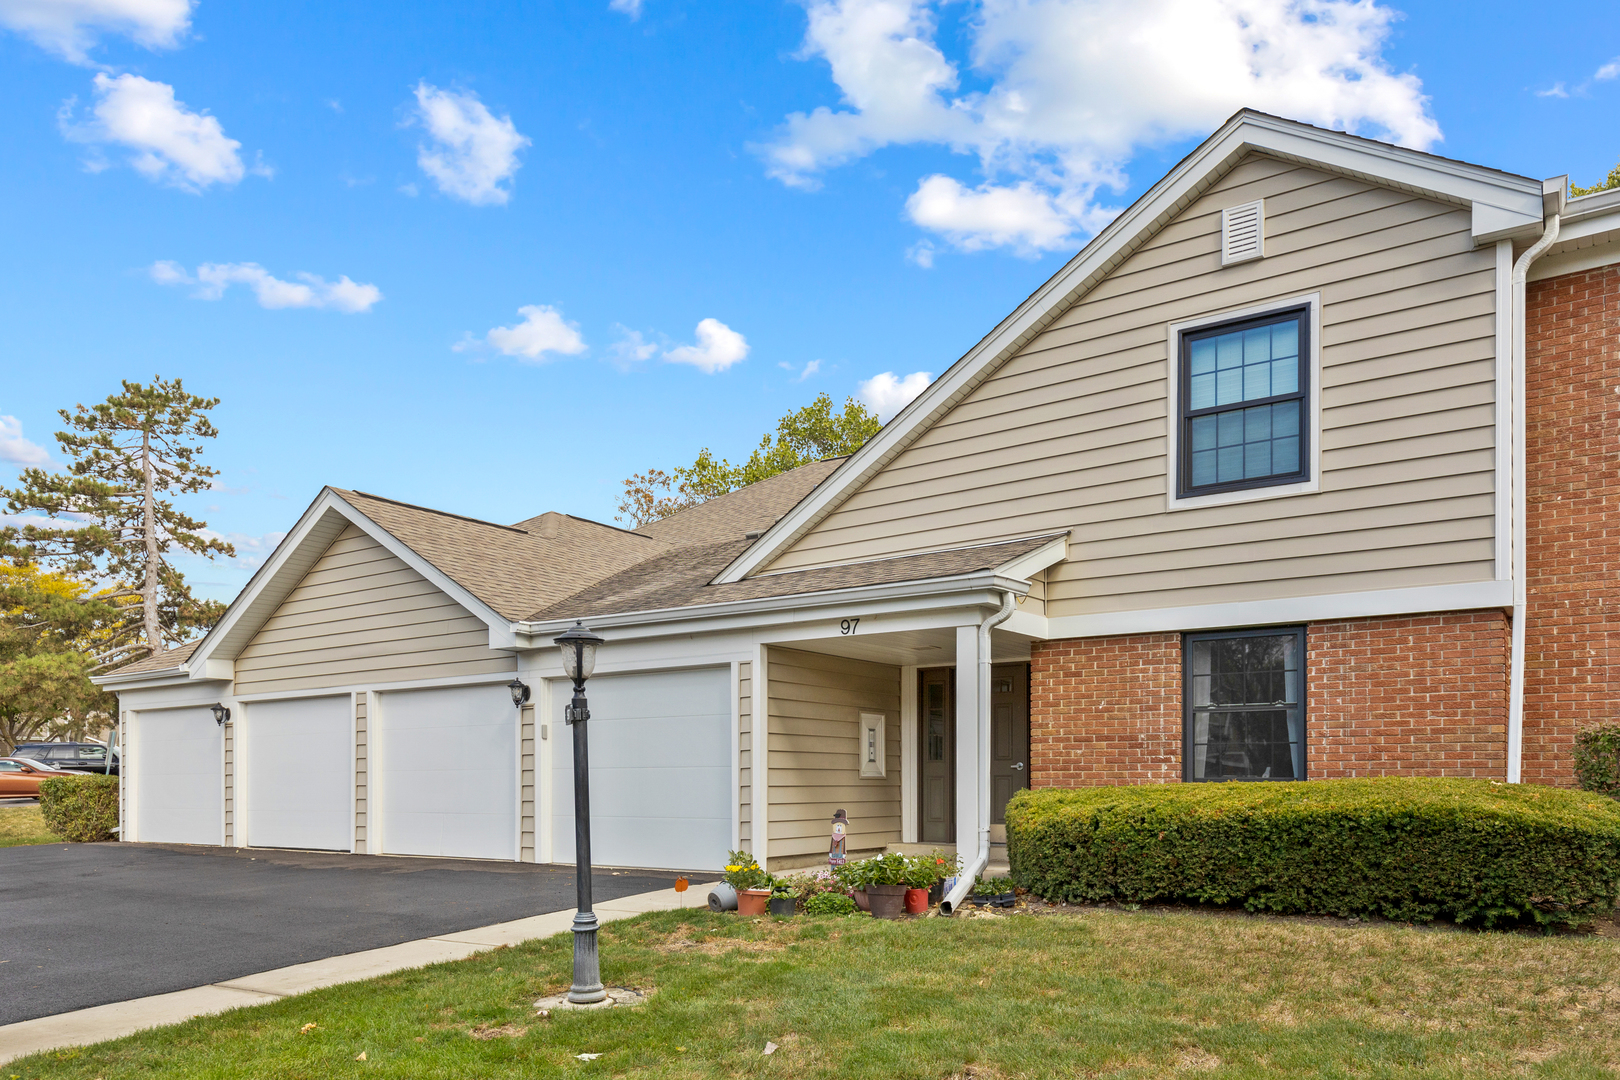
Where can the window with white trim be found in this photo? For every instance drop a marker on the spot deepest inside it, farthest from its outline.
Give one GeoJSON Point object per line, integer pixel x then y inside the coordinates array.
{"type": "Point", "coordinates": [1244, 402]}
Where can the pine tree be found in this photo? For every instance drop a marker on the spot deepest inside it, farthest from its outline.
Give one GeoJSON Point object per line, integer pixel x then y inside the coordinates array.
{"type": "Point", "coordinates": [117, 524]}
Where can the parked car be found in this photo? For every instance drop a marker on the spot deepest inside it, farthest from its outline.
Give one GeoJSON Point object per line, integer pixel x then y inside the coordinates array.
{"type": "Point", "coordinates": [20, 777]}
{"type": "Point", "coordinates": [75, 757]}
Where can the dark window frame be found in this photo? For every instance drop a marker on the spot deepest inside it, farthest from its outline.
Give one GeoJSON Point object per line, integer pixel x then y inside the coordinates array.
{"type": "Point", "coordinates": [1187, 703]}
{"type": "Point", "coordinates": [1184, 485]}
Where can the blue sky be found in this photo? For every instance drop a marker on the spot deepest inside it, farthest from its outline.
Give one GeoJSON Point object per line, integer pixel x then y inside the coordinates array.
{"type": "Point", "coordinates": [548, 245]}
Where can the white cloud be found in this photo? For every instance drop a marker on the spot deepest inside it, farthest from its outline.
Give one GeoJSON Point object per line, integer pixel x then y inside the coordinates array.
{"type": "Point", "coordinates": [1021, 216]}
{"type": "Point", "coordinates": [1072, 89]}
{"type": "Point", "coordinates": [886, 395]}
{"type": "Point", "coordinates": [472, 153]}
{"type": "Point", "coordinates": [16, 449]}
{"type": "Point", "coordinates": [1611, 70]}
{"type": "Point", "coordinates": [169, 143]}
{"type": "Point", "coordinates": [71, 27]}
{"type": "Point", "coordinates": [251, 550]}
{"type": "Point", "coordinates": [718, 347]}
{"type": "Point", "coordinates": [809, 369]}
{"type": "Point", "coordinates": [630, 348]}
{"type": "Point", "coordinates": [309, 291]}
{"type": "Point", "coordinates": [542, 331]}
{"type": "Point", "coordinates": [1555, 90]}
{"type": "Point", "coordinates": [921, 253]}
{"type": "Point", "coordinates": [631, 8]}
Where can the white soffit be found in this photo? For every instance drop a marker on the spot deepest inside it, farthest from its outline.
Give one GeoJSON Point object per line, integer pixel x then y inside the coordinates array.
{"type": "Point", "coordinates": [1502, 204]}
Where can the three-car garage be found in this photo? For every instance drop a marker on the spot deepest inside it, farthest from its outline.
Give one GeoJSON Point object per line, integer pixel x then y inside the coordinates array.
{"type": "Point", "coordinates": [437, 771]}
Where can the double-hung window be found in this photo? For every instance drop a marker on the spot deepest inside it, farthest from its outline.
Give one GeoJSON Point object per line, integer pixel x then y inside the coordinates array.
{"type": "Point", "coordinates": [1244, 401]}
{"type": "Point", "coordinates": [1244, 705]}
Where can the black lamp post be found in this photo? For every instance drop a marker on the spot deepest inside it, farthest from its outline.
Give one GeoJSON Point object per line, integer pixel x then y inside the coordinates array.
{"type": "Point", "coordinates": [579, 660]}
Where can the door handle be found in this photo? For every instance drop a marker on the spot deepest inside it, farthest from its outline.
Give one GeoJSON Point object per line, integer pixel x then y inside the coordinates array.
{"type": "Point", "coordinates": [1019, 766]}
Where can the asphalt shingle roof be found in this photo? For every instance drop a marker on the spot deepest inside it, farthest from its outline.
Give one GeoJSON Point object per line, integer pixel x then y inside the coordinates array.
{"type": "Point", "coordinates": [166, 660]}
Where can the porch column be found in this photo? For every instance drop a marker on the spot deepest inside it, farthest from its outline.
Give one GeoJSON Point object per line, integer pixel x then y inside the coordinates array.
{"type": "Point", "coordinates": [968, 764]}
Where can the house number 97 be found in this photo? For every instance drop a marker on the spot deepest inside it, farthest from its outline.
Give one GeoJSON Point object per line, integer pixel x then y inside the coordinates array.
{"type": "Point", "coordinates": [847, 626]}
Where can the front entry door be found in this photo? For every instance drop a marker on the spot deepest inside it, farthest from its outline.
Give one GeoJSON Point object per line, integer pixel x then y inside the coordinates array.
{"type": "Point", "coordinates": [937, 700]}
{"type": "Point", "coordinates": [1009, 736]}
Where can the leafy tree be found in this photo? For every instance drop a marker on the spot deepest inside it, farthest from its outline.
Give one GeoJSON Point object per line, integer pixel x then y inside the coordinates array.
{"type": "Point", "coordinates": [114, 522]}
{"type": "Point", "coordinates": [50, 625]}
{"type": "Point", "coordinates": [1608, 182]}
{"type": "Point", "coordinates": [805, 435]}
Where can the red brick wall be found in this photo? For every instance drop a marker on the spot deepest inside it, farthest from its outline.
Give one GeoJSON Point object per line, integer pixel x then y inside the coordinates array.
{"type": "Point", "coordinates": [1572, 398]}
{"type": "Point", "coordinates": [1105, 711]}
{"type": "Point", "coordinates": [1421, 695]}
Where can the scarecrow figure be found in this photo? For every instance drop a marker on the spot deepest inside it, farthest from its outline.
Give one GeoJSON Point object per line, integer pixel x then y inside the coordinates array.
{"type": "Point", "coordinates": [840, 836]}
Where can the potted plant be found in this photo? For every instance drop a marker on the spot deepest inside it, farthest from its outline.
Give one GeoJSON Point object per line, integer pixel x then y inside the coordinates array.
{"type": "Point", "coordinates": [922, 873]}
{"type": "Point", "coordinates": [994, 892]}
{"type": "Point", "coordinates": [947, 868]}
{"type": "Point", "coordinates": [784, 900]}
{"type": "Point", "coordinates": [753, 884]}
{"type": "Point", "coordinates": [886, 889]}
{"type": "Point", "coordinates": [854, 877]}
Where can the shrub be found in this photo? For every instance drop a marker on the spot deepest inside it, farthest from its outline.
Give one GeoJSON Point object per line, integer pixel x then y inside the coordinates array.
{"type": "Point", "coordinates": [1597, 760]}
{"type": "Point", "coordinates": [1402, 848]}
{"type": "Point", "coordinates": [829, 903]}
{"type": "Point", "coordinates": [81, 809]}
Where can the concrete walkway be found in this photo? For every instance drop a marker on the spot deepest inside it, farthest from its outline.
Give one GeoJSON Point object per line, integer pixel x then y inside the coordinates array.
{"type": "Point", "coordinates": [127, 1017]}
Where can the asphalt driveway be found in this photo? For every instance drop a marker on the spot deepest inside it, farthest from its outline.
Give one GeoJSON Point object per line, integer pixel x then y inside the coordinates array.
{"type": "Point", "coordinates": [89, 924]}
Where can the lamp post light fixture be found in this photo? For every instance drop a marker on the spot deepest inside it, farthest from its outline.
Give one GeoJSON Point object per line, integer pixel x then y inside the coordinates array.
{"type": "Point", "coordinates": [579, 660]}
{"type": "Point", "coordinates": [221, 714]}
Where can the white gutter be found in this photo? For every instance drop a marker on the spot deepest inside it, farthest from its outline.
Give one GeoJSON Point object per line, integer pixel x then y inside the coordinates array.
{"type": "Point", "coordinates": [1553, 199]}
{"type": "Point", "coordinates": [964, 881]}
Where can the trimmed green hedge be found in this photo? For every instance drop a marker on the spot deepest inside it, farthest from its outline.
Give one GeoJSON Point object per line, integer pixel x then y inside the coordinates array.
{"type": "Point", "coordinates": [82, 809]}
{"type": "Point", "coordinates": [1403, 848]}
{"type": "Point", "coordinates": [1597, 759]}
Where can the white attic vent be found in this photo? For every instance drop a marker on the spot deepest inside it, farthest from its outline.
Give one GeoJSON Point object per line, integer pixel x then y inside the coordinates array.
{"type": "Point", "coordinates": [1243, 232]}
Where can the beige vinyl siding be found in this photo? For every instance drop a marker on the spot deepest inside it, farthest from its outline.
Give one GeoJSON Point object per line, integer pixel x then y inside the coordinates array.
{"type": "Point", "coordinates": [815, 707]}
{"type": "Point", "coordinates": [745, 753]}
{"type": "Point", "coordinates": [1072, 431]}
{"type": "Point", "coordinates": [527, 749]}
{"type": "Point", "coordinates": [230, 783]}
{"type": "Point", "coordinates": [361, 773]}
{"type": "Point", "coordinates": [359, 617]}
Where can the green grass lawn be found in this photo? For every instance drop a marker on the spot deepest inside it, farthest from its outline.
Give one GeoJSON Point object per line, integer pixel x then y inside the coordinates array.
{"type": "Point", "coordinates": [23, 825]}
{"type": "Point", "coordinates": [1094, 994]}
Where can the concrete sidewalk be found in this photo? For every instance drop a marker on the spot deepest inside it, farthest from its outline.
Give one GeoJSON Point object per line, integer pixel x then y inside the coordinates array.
{"type": "Point", "coordinates": [127, 1017]}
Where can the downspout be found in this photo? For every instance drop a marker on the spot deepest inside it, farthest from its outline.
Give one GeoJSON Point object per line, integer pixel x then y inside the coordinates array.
{"type": "Point", "coordinates": [981, 859]}
{"type": "Point", "coordinates": [1521, 489]}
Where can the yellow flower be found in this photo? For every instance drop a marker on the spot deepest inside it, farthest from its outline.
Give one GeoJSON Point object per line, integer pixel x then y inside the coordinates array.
{"type": "Point", "coordinates": [733, 869]}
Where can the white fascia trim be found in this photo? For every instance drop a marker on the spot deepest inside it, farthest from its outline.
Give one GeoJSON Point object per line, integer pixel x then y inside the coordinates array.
{"type": "Point", "coordinates": [1025, 567]}
{"type": "Point", "coordinates": [1503, 204]}
{"type": "Point", "coordinates": [382, 688]}
{"type": "Point", "coordinates": [1313, 405]}
{"type": "Point", "coordinates": [1503, 525]}
{"type": "Point", "coordinates": [771, 610]}
{"type": "Point", "coordinates": [1466, 596]}
{"type": "Point", "coordinates": [330, 502]}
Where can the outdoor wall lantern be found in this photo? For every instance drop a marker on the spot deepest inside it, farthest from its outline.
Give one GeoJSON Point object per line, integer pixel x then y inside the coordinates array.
{"type": "Point", "coordinates": [579, 660]}
{"type": "Point", "coordinates": [520, 692]}
{"type": "Point", "coordinates": [221, 714]}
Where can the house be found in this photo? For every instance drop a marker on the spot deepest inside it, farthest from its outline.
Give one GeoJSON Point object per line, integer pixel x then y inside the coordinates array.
{"type": "Point", "coordinates": [1304, 467]}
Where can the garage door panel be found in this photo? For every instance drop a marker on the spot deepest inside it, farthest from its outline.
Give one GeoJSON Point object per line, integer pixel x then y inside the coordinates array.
{"type": "Point", "coordinates": [661, 787]}
{"type": "Point", "coordinates": [447, 768]}
{"type": "Point", "coordinates": [298, 756]}
{"type": "Point", "coordinates": [178, 764]}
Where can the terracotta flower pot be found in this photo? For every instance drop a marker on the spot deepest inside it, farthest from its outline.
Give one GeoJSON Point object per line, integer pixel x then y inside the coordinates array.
{"type": "Point", "coordinates": [887, 901]}
{"type": "Point", "coordinates": [916, 901]}
{"type": "Point", "coordinates": [753, 901]}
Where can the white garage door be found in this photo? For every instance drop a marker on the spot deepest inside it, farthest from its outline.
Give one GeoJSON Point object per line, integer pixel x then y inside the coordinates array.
{"type": "Point", "coordinates": [177, 759]}
{"type": "Point", "coordinates": [298, 760]}
{"type": "Point", "coordinates": [448, 772]}
{"type": "Point", "coordinates": [660, 757]}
